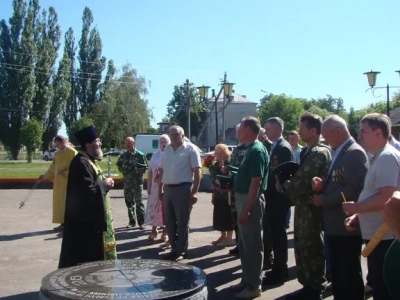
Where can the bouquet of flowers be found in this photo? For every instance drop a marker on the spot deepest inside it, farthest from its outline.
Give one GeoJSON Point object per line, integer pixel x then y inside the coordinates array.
{"type": "Point", "coordinates": [210, 164]}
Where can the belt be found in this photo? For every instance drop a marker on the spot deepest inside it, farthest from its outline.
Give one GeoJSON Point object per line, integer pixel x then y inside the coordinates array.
{"type": "Point", "coordinates": [178, 184]}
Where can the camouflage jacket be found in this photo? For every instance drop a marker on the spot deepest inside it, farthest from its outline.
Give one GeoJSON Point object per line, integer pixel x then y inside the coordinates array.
{"type": "Point", "coordinates": [314, 163]}
{"type": "Point", "coordinates": [127, 165]}
{"type": "Point", "coordinates": [237, 155]}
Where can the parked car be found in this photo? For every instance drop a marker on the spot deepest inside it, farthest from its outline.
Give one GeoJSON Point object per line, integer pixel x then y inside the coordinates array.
{"type": "Point", "coordinates": [113, 153]}
{"type": "Point", "coordinates": [49, 154]}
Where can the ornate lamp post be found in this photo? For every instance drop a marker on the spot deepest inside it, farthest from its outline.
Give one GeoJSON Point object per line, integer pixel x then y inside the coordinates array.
{"type": "Point", "coordinates": [372, 82]}
{"type": "Point", "coordinates": [227, 87]}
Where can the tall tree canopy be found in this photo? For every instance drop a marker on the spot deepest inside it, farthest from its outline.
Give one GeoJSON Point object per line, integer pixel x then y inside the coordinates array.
{"type": "Point", "coordinates": [177, 108]}
{"type": "Point", "coordinates": [123, 109]}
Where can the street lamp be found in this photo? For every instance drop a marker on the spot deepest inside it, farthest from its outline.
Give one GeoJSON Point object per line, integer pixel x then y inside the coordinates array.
{"type": "Point", "coordinates": [227, 88]}
{"type": "Point", "coordinates": [372, 82]}
{"type": "Point", "coordinates": [203, 90]}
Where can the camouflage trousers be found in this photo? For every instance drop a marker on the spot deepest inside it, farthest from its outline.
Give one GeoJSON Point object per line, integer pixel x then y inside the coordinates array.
{"type": "Point", "coordinates": [309, 246]}
{"type": "Point", "coordinates": [134, 202]}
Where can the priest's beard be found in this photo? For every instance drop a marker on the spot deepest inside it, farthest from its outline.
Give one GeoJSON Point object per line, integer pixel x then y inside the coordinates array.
{"type": "Point", "coordinates": [97, 154]}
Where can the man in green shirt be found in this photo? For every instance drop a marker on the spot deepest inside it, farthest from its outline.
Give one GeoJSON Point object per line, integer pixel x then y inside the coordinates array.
{"type": "Point", "coordinates": [249, 186]}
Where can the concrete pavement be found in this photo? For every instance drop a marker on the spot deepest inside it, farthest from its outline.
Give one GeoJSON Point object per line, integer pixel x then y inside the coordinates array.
{"type": "Point", "coordinates": [29, 247]}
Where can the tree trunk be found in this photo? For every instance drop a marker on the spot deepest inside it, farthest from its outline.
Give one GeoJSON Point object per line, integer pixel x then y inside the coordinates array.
{"type": "Point", "coordinates": [14, 152]}
{"type": "Point", "coordinates": [29, 156]}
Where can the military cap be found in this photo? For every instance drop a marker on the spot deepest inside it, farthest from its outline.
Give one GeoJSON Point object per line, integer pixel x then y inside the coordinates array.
{"type": "Point", "coordinates": [226, 182]}
{"type": "Point", "coordinates": [285, 171]}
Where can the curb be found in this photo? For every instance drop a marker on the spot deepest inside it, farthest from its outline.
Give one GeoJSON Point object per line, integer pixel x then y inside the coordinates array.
{"type": "Point", "coordinates": [28, 183]}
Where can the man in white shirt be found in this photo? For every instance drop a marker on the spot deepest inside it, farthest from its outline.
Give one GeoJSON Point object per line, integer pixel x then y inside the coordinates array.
{"type": "Point", "coordinates": [180, 171]}
{"type": "Point", "coordinates": [381, 181]}
{"type": "Point", "coordinates": [296, 147]}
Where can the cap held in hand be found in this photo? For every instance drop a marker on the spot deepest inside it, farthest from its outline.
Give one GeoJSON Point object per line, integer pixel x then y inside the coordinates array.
{"type": "Point", "coordinates": [285, 171]}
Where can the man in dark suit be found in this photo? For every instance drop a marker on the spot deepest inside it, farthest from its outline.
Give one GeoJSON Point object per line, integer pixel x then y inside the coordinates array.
{"type": "Point", "coordinates": [277, 204]}
{"type": "Point", "coordinates": [343, 182]}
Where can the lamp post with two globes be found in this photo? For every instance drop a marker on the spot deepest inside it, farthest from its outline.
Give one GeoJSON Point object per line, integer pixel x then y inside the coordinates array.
{"type": "Point", "coordinates": [372, 82]}
{"type": "Point", "coordinates": [227, 87]}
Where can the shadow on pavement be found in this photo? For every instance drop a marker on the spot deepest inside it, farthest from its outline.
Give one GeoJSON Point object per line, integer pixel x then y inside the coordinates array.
{"type": "Point", "coordinates": [220, 278]}
{"type": "Point", "coordinates": [13, 237]}
{"type": "Point", "coordinates": [24, 296]}
{"type": "Point", "coordinates": [202, 229]}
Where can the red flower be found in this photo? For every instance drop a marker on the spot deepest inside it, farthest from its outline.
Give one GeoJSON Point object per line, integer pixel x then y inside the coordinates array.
{"type": "Point", "coordinates": [209, 159]}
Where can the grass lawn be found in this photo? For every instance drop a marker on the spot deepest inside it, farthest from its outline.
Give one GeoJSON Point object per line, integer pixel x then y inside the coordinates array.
{"type": "Point", "coordinates": [22, 169]}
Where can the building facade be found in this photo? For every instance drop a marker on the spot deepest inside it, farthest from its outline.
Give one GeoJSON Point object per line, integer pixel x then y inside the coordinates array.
{"type": "Point", "coordinates": [227, 119]}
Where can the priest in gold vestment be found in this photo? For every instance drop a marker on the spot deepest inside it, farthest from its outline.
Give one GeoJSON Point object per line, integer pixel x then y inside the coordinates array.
{"type": "Point", "coordinates": [58, 174]}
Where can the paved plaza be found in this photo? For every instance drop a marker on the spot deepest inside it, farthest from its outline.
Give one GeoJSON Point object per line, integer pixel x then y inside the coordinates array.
{"type": "Point", "coordinates": [29, 247]}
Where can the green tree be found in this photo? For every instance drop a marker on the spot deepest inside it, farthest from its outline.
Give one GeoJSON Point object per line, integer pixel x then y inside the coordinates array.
{"type": "Point", "coordinates": [152, 130]}
{"type": "Point", "coordinates": [323, 113]}
{"type": "Point", "coordinates": [70, 114]}
{"type": "Point", "coordinates": [17, 78]}
{"type": "Point", "coordinates": [92, 64]}
{"type": "Point", "coordinates": [265, 99]}
{"type": "Point", "coordinates": [31, 136]}
{"type": "Point", "coordinates": [123, 109]}
{"type": "Point", "coordinates": [287, 108]}
{"type": "Point", "coordinates": [76, 126]}
{"type": "Point", "coordinates": [177, 108]}
{"type": "Point", "coordinates": [47, 41]}
{"type": "Point", "coordinates": [61, 89]}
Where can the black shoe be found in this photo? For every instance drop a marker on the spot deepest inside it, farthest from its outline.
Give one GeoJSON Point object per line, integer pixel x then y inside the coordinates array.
{"type": "Point", "coordinates": [272, 278]}
{"type": "Point", "coordinates": [306, 293]}
{"type": "Point", "coordinates": [234, 251]}
{"type": "Point", "coordinates": [175, 257]}
{"type": "Point", "coordinates": [142, 227]}
{"type": "Point", "coordinates": [131, 225]}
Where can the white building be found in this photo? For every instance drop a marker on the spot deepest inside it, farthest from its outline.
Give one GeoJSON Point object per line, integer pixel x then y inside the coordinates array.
{"type": "Point", "coordinates": [235, 110]}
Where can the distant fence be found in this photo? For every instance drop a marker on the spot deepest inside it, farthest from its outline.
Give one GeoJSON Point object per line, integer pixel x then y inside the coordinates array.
{"type": "Point", "coordinates": [8, 156]}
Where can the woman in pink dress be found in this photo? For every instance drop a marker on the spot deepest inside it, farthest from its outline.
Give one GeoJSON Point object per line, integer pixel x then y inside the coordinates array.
{"type": "Point", "coordinates": [154, 209]}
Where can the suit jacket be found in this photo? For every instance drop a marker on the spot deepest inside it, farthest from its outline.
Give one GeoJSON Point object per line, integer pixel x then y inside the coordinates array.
{"type": "Point", "coordinates": [281, 153]}
{"type": "Point", "coordinates": [346, 175]}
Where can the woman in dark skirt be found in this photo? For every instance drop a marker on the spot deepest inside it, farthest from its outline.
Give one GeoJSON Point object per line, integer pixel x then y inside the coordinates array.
{"type": "Point", "coordinates": [222, 219]}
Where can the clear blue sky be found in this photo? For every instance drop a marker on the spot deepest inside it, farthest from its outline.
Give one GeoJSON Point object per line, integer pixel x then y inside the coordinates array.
{"type": "Point", "coordinates": [306, 48]}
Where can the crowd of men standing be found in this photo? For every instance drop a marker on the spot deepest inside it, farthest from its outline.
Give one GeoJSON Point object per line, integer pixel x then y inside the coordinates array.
{"type": "Point", "coordinates": [339, 193]}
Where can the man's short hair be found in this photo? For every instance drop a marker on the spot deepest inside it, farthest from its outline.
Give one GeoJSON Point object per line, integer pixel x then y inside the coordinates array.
{"type": "Point", "coordinates": [178, 129]}
{"type": "Point", "coordinates": [378, 121]}
{"type": "Point", "coordinates": [253, 123]}
{"type": "Point", "coordinates": [294, 132]}
{"type": "Point", "coordinates": [60, 138]}
{"type": "Point", "coordinates": [277, 122]}
{"type": "Point", "coordinates": [312, 121]}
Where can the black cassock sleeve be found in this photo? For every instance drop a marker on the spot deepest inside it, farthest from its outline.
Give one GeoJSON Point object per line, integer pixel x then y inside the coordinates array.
{"type": "Point", "coordinates": [86, 195]}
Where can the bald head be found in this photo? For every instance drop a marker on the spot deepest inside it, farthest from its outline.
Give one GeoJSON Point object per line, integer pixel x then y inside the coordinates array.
{"type": "Point", "coordinates": [130, 144]}
{"type": "Point", "coordinates": [335, 131]}
{"type": "Point", "coordinates": [334, 121]}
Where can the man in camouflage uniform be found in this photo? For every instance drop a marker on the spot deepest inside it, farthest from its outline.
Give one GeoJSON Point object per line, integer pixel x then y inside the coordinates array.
{"type": "Point", "coordinates": [133, 164]}
{"type": "Point", "coordinates": [308, 237]}
{"type": "Point", "coordinates": [237, 156]}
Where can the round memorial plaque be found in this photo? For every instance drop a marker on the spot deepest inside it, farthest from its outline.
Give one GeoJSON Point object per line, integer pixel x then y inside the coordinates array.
{"type": "Point", "coordinates": [126, 279]}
